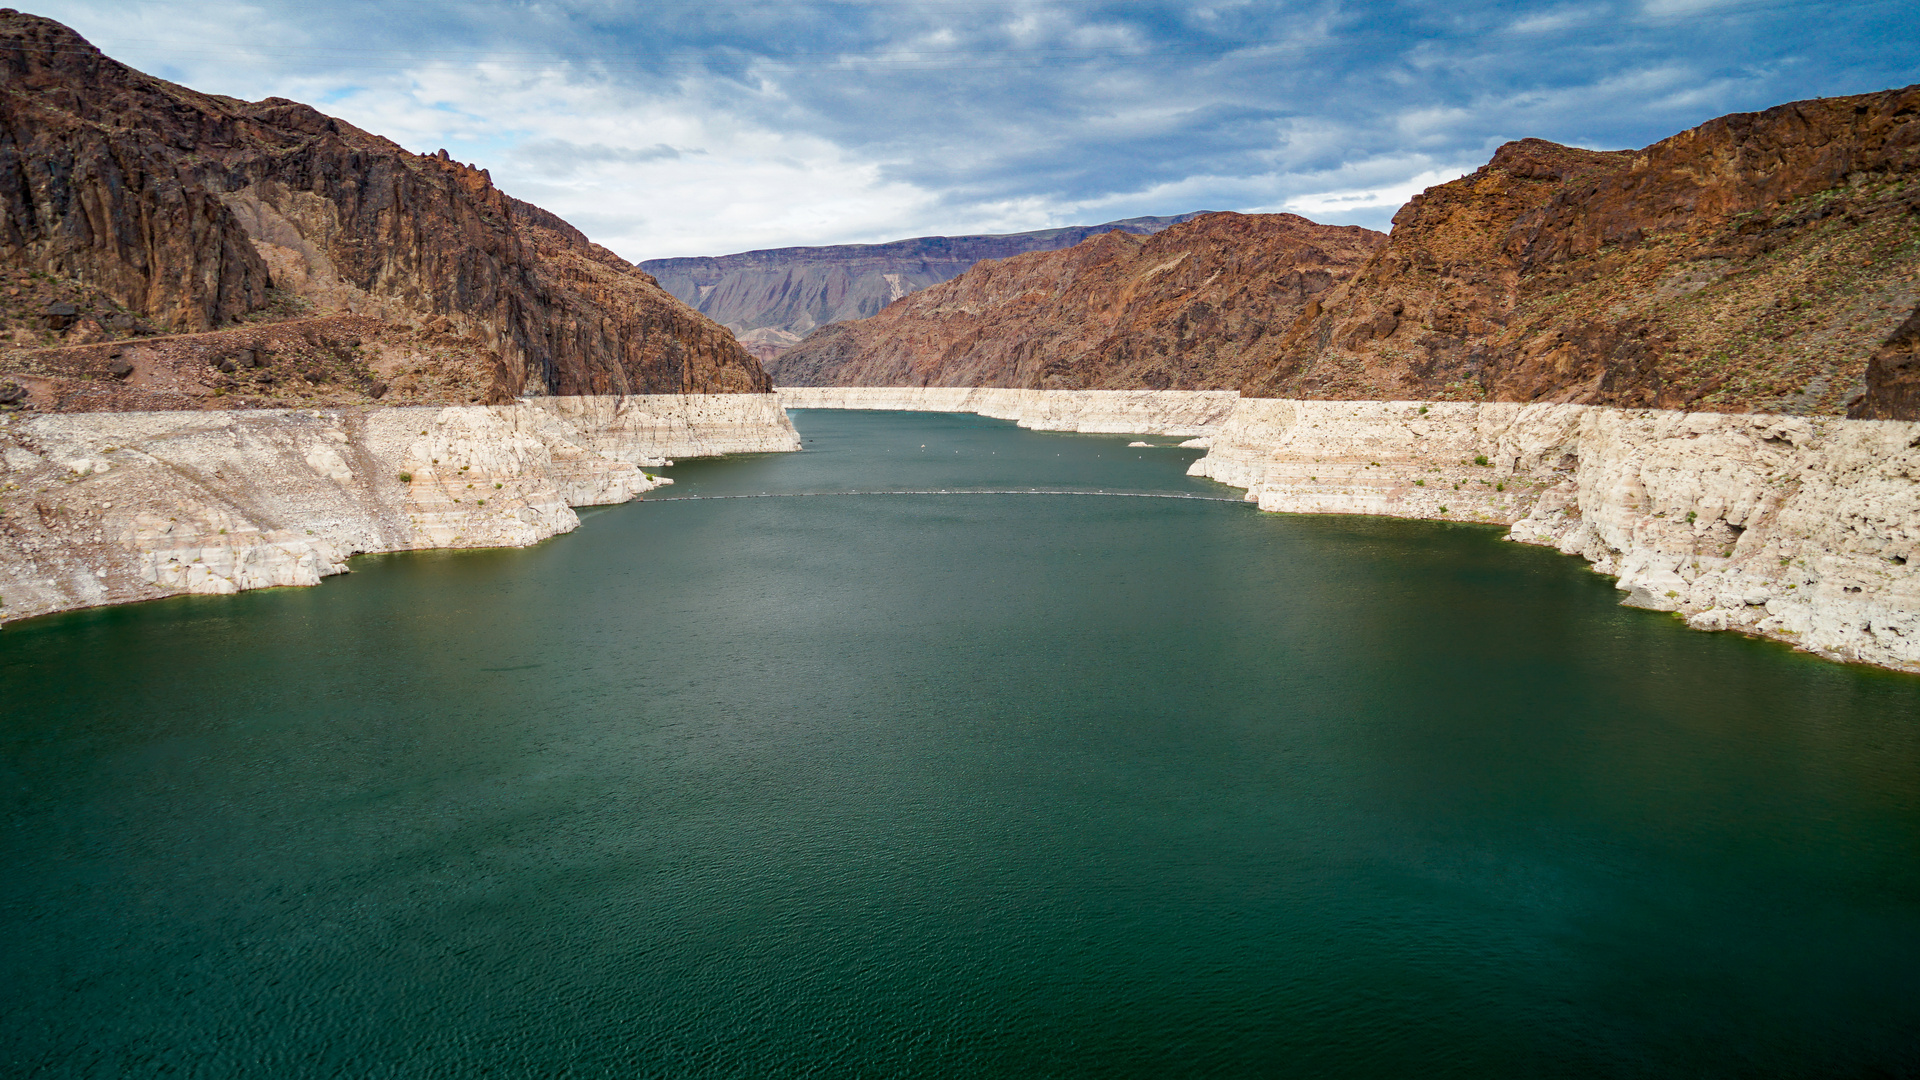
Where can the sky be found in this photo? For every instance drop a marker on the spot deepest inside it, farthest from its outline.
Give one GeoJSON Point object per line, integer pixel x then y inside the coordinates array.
{"type": "Point", "coordinates": [705, 127]}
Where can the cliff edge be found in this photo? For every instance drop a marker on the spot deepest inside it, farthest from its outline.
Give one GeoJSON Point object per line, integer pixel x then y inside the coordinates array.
{"type": "Point", "coordinates": [137, 209]}
{"type": "Point", "coordinates": [774, 297]}
{"type": "Point", "coordinates": [1197, 306]}
{"type": "Point", "coordinates": [1761, 261]}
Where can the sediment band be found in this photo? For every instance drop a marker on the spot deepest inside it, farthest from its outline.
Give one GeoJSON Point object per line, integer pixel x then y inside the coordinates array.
{"type": "Point", "coordinates": [1801, 529]}
{"type": "Point", "coordinates": [104, 508]}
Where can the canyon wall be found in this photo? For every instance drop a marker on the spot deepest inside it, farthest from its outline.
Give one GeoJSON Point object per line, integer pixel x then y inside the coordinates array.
{"type": "Point", "coordinates": [1758, 262]}
{"type": "Point", "coordinates": [1801, 529]}
{"type": "Point", "coordinates": [1795, 528]}
{"type": "Point", "coordinates": [104, 508]}
{"type": "Point", "coordinates": [1198, 306]}
{"type": "Point", "coordinates": [772, 298]}
{"type": "Point", "coordinates": [134, 205]}
{"type": "Point", "coordinates": [1763, 262]}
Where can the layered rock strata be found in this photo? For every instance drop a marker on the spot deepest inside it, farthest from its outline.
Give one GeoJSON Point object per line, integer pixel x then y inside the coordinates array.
{"type": "Point", "coordinates": [1759, 261]}
{"type": "Point", "coordinates": [1801, 529]}
{"type": "Point", "coordinates": [1201, 305]}
{"type": "Point", "coordinates": [772, 298]}
{"type": "Point", "coordinates": [103, 508]}
{"type": "Point", "coordinates": [159, 207]}
{"type": "Point", "coordinates": [1762, 262]}
{"type": "Point", "coordinates": [1112, 412]}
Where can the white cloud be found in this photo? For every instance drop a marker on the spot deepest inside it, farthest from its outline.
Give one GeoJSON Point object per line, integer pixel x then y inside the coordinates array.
{"type": "Point", "coordinates": [648, 176]}
{"type": "Point", "coordinates": [1341, 204]}
{"type": "Point", "coordinates": [1669, 8]}
{"type": "Point", "coordinates": [707, 129]}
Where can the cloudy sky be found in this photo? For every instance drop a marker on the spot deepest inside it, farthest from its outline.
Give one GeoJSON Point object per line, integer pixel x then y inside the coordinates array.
{"type": "Point", "coordinates": [702, 127]}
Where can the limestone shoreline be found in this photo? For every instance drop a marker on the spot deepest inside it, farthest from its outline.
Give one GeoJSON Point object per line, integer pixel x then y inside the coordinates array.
{"type": "Point", "coordinates": [1188, 413]}
{"type": "Point", "coordinates": [108, 508]}
{"type": "Point", "coordinates": [1800, 529]}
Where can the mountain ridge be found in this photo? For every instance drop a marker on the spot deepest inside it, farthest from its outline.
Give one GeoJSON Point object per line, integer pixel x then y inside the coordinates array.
{"type": "Point", "coordinates": [1765, 261]}
{"type": "Point", "coordinates": [1174, 310]}
{"type": "Point", "coordinates": [772, 297]}
{"type": "Point", "coordinates": [134, 205]}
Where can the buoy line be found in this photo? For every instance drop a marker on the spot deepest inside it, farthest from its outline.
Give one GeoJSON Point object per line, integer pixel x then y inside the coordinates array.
{"type": "Point", "coordinates": [822, 494]}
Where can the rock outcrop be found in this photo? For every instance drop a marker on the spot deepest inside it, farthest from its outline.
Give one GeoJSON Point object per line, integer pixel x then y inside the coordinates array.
{"type": "Point", "coordinates": [1189, 414]}
{"type": "Point", "coordinates": [1760, 262]}
{"type": "Point", "coordinates": [771, 299]}
{"type": "Point", "coordinates": [104, 508]}
{"type": "Point", "coordinates": [1755, 262]}
{"type": "Point", "coordinates": [1801, 529]}
{"type": "Point", "coordinates": [1201, 305]}
{"type": "Point", "coordinates": [1893, 376]}
{"type": "Point", "coordinates": [168, 209]}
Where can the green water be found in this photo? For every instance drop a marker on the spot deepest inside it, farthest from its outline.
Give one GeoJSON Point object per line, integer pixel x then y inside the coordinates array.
{"type": "Point", "coordinates": [951, 785]}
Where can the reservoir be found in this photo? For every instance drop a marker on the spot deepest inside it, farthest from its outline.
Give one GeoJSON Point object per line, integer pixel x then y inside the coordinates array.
{"type": "Point", "coordinates": [962, 782]}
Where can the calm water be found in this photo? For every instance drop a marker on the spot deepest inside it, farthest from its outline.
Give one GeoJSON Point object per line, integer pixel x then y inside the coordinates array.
{"type": "Point", "coordinates": [943, 785]}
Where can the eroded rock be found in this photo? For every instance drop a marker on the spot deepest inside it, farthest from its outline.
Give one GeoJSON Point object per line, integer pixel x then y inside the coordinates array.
{"type": "Point", "coordinates": [113, 507]}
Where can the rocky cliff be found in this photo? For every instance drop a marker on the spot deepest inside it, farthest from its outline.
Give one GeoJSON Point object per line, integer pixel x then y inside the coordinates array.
{"type": "Point", "coordinates": [106, 508]}
{"type": "Point", "coordinates": [1801, 529]}
{"type": "Point", "coordinates": [1200, 305]}
{"type": "Point", "coordinates": [1763, 261]}
{"type": "Point", "coordinates": [134, 206]}
{"type": "Point", "coordinates": [1760, 261]}
{"type": "Point", "coordinates": [773, 298]}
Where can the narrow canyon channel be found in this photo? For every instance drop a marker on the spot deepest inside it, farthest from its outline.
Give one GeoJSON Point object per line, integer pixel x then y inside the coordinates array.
{"type": "Point", "coordinates": [952, 783]}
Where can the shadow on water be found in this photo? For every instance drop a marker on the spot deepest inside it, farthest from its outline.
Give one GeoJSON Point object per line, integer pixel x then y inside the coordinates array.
{"type": "Point", "coordinates": [936, 785]}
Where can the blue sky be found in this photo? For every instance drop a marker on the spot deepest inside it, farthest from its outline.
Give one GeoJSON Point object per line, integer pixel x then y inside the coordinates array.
{"type": "Point", "coordinates": [702, 128]}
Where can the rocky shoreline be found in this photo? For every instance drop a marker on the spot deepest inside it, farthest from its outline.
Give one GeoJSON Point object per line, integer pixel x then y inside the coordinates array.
{"type": "Point", "coordinates": [1189, 413]}
{"type": "Point", "coordinates": [108, 508]}
{"type": "Point", "coordinates": [1800, 529]}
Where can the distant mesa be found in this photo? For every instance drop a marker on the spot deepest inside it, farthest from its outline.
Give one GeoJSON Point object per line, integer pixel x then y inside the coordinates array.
{"type": "Point", "coordinates": [1187, 308]}
{"type": "Point", "coordinates": [772, 298]}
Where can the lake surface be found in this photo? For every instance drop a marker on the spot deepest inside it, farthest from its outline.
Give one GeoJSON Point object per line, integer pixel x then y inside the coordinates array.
{"type": "Point", "coordinates": [889, 785]}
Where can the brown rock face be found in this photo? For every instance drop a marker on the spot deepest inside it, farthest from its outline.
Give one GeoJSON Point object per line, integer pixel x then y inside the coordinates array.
{"type": "Point", "coordinates": [1765, 261]}
{"type": "Point", "coordinates": [1755, 262]}
{"type": "Point", "coordinates": [193, 211]}
{"type": "Point", "coordinates": [1202, 305]}
{"type": "Point", "coordinates": [1893, 377]}
{"type": "Point", "coordinates": [772, 298]}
